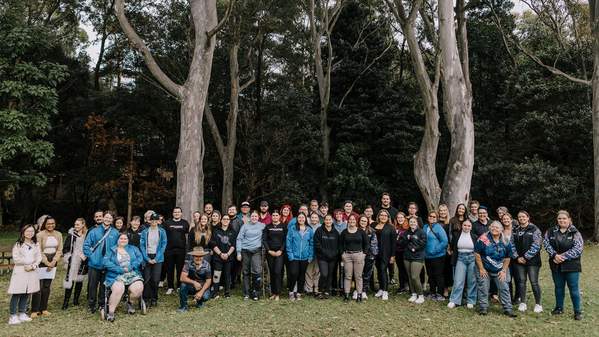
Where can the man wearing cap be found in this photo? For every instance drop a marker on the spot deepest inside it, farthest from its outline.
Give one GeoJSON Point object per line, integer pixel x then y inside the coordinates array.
{"type": "Point", "coordinates": [244, 215]}
{"type": "Point", "coordinates": [196, 278]}
{"type": "Point", "coordinates": [265, 216]}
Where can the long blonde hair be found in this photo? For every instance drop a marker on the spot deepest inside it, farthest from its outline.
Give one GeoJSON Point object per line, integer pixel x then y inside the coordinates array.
{"type": "Point", "coordinates": [207, 231]}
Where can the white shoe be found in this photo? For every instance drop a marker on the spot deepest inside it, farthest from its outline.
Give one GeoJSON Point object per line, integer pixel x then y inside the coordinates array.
{"type": "Point", "coordinates": [385, 296]}
{"type": "Point", "coordinates": [538, 308]}
{"type": "Point", "coordinates": [364, 296]}
{"type": "Point", "coordinates": [451, 305]}
{"type": "Point", "coordinates": [161, 284]}
{"type": "Point", "coordinates": [470, 306]}
{"type": "Point", "coordinates": [420, 299]}
{"type": "Point", "coordinates": [169, 291]}
{"type": "Point", "coordinates": [24, 318]}
{"type": "Point", "coordinates": [522, 307]}
{"type": "Point", "coordinates": [14, 319]}
{"type": "Point", "coordinates": [354, 296]}
{"type": "Point", "coordinates": [379, 293]}
{"type": "Point", "coordinates": [413, 298]}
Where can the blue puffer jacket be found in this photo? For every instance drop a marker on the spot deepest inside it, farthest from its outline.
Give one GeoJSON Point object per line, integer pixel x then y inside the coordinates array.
{"type": "Point", "coordinates": [143, 245]}
{"type": "Point", "coordinates": [300, 248]}
{"type": "Point", "coordinates": [436, 241]}
{"type": "Point", "coordinates": [96, 258]}
{"type": "Point", "coordinates": [114, 269]}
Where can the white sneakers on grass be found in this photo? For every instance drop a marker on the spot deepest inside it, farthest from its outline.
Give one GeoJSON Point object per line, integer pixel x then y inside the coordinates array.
{"type": "Point", "coordinates": [169, 291]}
{"type": "Point", "coordinates": [24, 318]}
{"type": "Point", "coordinates": [379, 293]}
{"type": "Point", "coordinates": [14, 319]}
{"type": "Point", "coordinates": [470, 306]}
{"type": "Point", "coordinates": [385, 296]}
{"type": "Point", "coordinates": [420, 299]}
{"type": "Point", "coordinates": [451, 305]}
{"type": "Point", "coordinates": [364, 296]}
{"type": "Point", "coordinates": [522, 307]}
{"type": "Point", "coordinates": [354, 296]}
{"type": "Point", "coordinates": [413, 298]}
{"type": "Point", "coordinates": [538, 308]}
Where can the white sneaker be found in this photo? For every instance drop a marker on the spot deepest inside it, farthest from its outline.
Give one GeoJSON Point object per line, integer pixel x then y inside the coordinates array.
{"type": "Point", "coordinates": [161, 284]}
{"type": "Point", "coordinates": [522, 307]}
{"type": "Point", "coordinates": [169, 291]}
{"type": "Point", "coordinates": [413, 298]}
{"type": "Point", "coordinates": [385, 296]}
{"type": "Point", "coordinates": [538, 308]}
{"type": "Point", "coordinates": [24, 318]}
{"type": "Point", "coordinates": [379, 293]}
{"type": "Point", "coordinates": [470, 306]}
{"type": "Point", "coordinates": [451, 305]}
{"type": "Point", "coordinates": [355, 295]}
{"type": "Point", "coordinates": [420, 299]}
{"type": "Point", "coordinates": [14, 319]}
{"type": "Point", "coordinates": [364, 296]}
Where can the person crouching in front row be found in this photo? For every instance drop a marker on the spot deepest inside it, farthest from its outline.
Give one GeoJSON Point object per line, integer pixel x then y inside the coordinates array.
{"type": "Point", "coordinates": [196, 279]}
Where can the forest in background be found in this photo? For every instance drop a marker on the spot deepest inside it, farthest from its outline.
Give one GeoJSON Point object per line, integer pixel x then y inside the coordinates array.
{"type": "Point", "coordinates": [77, 137]}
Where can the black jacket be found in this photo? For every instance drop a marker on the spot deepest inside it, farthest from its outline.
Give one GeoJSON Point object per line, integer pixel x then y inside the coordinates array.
{"type": "Point", "coordinates": [274, 237]}
{"type": "Point", "coordinates": [386, 242]}
{"type": "Point", "coordinates": [414, 243]}
{"type": "Point", "coordinates": [223, 239]}
{"type": "Point", "coordinates": [560, 243]}
{"type": "Point", "coordinates": [326, 244]}
{"type": "Point", "coordinates": [454, 244]}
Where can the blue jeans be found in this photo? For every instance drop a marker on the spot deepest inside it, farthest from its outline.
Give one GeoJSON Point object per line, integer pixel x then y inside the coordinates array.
{"type": "Point", "coordinates": [464, 274]}
{"type": "Point", "coordinates": [503, 289]}
{"type": "Point", "coordinates": [560, 280]}
{"type": "Point", "coordinates": [187, 290]}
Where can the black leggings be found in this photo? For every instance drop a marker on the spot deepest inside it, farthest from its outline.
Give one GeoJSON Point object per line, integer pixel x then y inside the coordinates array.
{"type": "Point", "coordinates": [151, 278]}
{"type": "Point", "coordinates": [39, 300]}
{"type": "Point", "coordinates": [222, 274]}
{"type": "Point", "coordinates": [275, 269]}
{"type": "Point", "coordinates": [174, 259]}
{"type": "Point", "coordinates": [532, 273]}
{"type": "Point", "coordinates": [434, 269]}
{"type": "Point", "coordinates": [367, 279]}
{"type": "Point", "coordinates": [327, 269]}
{"type": "Point", "coordinates": [381, 272]}
{"type": "Point", "coordinates": [297, 274]}
{"type": "Point", "coordinates": [401, 271]}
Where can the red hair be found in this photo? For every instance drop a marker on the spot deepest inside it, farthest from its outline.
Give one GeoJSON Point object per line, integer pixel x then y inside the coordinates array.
{"type": "Point", "coordinates": [285, 220]}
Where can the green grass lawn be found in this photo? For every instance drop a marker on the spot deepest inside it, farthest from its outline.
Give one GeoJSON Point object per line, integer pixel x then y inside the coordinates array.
{"type": "Point", "coordinates": [310, 317]}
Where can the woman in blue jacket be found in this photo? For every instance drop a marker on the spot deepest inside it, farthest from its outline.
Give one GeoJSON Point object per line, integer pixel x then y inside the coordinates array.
{"type": "Point", "coordinates": [122, 265]}
{"type": "Point", "coordinates": [300, 252]}
{"type": "Point", "coordinates": [153, 244]}
{"type": "Point", "coordinates": [436, 248]}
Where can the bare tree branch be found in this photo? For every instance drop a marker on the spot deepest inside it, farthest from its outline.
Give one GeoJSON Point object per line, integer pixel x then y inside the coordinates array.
{"type": "Point", "coordinates": [140, 45]}
{"type": "Point", "coordinates": [218, 140]}
{"type": "Point", "coordinates": [222, 22]}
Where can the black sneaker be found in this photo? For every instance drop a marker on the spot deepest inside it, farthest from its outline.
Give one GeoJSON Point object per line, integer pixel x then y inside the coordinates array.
{"type": "Point", "coordinates": [510, 314]}
{"type": "Point", "coordinates": [359, 298]}
{"type": "Point", "coordinates": [346, 298]}
{"type": "Point", "coordinates": [557, 311]}
{"type": "Point", "coordinates": [227, 295]}
{"type": "Point", "coordinates": [578, 316]}
{"type": "Point", "coordinates": [483, 312]}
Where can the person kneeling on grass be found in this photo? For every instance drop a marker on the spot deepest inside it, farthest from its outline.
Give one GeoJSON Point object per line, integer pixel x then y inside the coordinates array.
{"type": "Point", "coordinates": [196, 278]}
{"type": "Point", "coordinates": [122, 264]}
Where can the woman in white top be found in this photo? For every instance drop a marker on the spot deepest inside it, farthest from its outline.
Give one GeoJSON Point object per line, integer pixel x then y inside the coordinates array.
{"type": "Point", "coordinates": [50, 241]}
{"type": "Point", "coordinates": [462, 258]}
{"type": "Point", "coordinates": [25, 279]}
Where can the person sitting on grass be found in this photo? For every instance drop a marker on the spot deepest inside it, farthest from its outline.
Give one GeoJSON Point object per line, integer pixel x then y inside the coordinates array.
{"type": "Point", "coordinates": [196, 279]}
{"type": "Point", "coordinates": [123, 264]}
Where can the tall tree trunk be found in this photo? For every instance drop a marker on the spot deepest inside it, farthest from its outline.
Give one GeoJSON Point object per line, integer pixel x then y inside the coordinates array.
{"type": "Point", "coordinates": [457, 103]}
{"type": "Point", "coordinates": [594, 11]}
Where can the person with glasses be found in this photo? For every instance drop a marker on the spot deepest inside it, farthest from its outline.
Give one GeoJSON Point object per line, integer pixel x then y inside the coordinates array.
{"type": "Point", "coordinates": [386, 237]}
{"type": "Point", "coordinates": [223, 246]}
{"type": "Point", "coordinates": [436, 249]}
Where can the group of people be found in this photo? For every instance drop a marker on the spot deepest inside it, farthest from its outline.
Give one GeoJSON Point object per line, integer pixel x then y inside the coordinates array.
{"type": "Point", "coordinates": [466, 258]}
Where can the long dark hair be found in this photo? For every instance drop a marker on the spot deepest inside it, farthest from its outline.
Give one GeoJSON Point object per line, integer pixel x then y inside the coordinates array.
{"type": "Point", "coordinates": [297, 224]}
{"type": "Point", "coordinates": [43, 226]}
{"type": "Point", "coordinates": [21, 238]}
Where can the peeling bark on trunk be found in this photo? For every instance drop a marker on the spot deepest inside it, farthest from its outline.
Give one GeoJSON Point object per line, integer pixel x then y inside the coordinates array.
{"type": "Point", "coordinates": [457, 102]}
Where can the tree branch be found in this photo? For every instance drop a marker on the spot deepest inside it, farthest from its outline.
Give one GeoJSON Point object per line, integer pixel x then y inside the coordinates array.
{"type": "Point", "coordinates": [140, 45]}
{"type": "Point", "coordinates": [222, 22]}
{"type": "Point", "coordinates": [552, 69]}
{"type": "Point", "coordinates": [218, 140]}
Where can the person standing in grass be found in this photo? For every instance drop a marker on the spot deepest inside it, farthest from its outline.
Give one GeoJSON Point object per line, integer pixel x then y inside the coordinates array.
{"type": "Point", "coordinates": [436, 249]}
{"type": "Point", "coordinates": [462, 259]}
{"type": "Point", "coordinates": [177, 229]}
{"type": "Point", "coordinates": [153, 245]}
{"type": "Point", "coordinates": [564, 246]}
{"type": "Point", "coordinates": [300, 252]}
{"type": "Point", "coordinates": [24, 280]}
{"type": "Point", "coordinates": [401, 225]}
{"type": "Point", "coordinates": [385, 235]}
{"type": "Point", "coordinates": [369, 260]}
{"type": "Point", "coordinates": [326, 245]}
{"type": "Point", "coordinates": [313, 271]}
{"type": "Point", "coordinates": [492, 256]}
{"type": "Point", "coordinates": [354, 245]}
{"type": "Point", "coordinates": [223, 246]}
{"type": "Point", "coordinates": [273, 240]}
{"type": "Point", "coordinates": [75, 262]}
{"type": "Point", "coordinates": [413, 240]}
{"type": "Point", "coordinates": [249, 252]}
{"type": "Point", "coordinates": [526, 256]}
{"type": "Point", "coordinates": [50, 242]}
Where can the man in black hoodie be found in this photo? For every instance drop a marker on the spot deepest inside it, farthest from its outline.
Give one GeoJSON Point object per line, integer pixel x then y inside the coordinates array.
{"type": "Point", "coordinates": [174, 256]}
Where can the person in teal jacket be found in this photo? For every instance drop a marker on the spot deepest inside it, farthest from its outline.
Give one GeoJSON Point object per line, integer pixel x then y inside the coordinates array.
{"type": "Point", "coordinates": [300, 252]}
{"type": "Point", "coordinates": [98, 242]}
{"type": "Point", "coordinates": [123, 264]}
{"type": "Point", "coordinates": [152, 245]}
{"type": "Point", "coordinates": [436, 248]}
